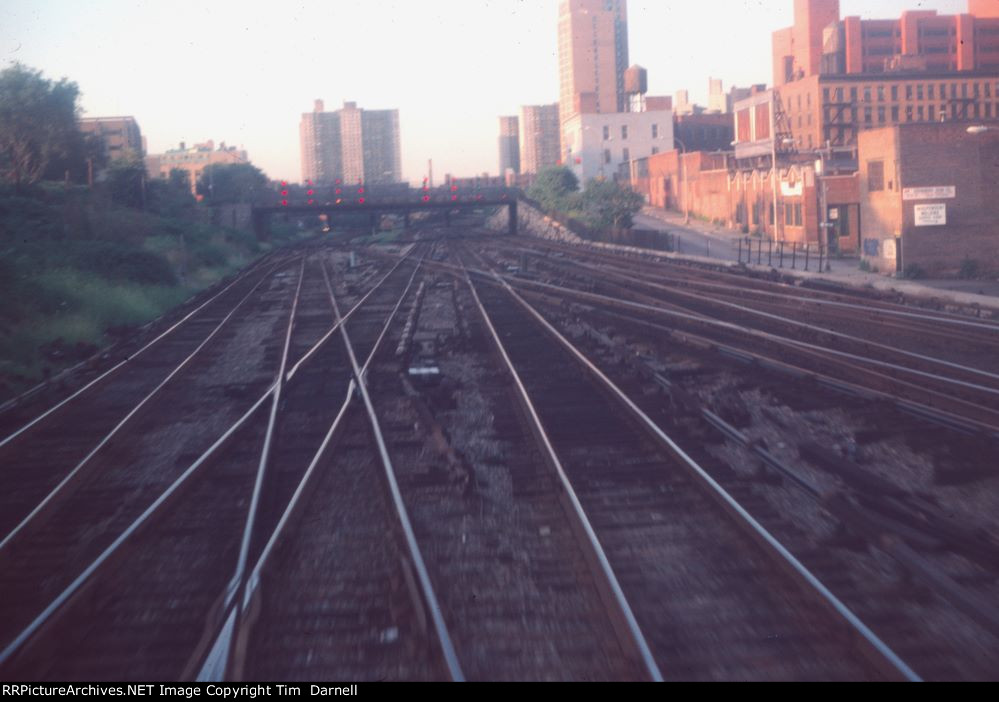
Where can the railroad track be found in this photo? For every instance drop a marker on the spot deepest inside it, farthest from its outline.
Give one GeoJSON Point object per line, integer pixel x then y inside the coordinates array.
{"type": "Point", "coordinates": [158, 587]}
{"type": "Point", "coordinates": [930, 542]}
{"type": "Point", "coordinates": [522, 600]}
{"type": "Point", "coordinates": [948, 390]}
{"type": "Point", "coordinates": [710, 602]}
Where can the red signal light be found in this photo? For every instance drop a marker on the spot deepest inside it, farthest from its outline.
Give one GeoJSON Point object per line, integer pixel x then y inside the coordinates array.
{"type": "Point", "coordinates": [454, 198]}
{"type": "Point", "coordinates": [454, 188]}
{"type": "Point", "coordinates": [360, 191]}
{"type": "Point", "coordinates": [284, 203]}
{"type": "Point", "coordinates": [311, 193]}
{"type": "Point", "coordinates": [426, 198]}
{"type": "Point", "coordinates": [284, 193]}
{"type": "Point", "coordinates": [339, 191]}
{"type": "Point", "coordinates": [312, 202]}
{"type": "Point", "coordinates": [361, 201]}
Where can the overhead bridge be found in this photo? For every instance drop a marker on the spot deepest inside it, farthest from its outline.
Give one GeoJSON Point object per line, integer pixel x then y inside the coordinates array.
{"type": "Point", "coordinates": [375, 208]}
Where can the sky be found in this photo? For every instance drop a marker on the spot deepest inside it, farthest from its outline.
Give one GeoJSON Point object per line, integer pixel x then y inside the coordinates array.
{"type": "Point", "coordinates": [243, 71]}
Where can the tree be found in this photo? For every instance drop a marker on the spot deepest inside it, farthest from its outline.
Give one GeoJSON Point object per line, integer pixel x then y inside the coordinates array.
{"type": "Point", "coordinates": [171, 197]}
{"type": "Point", "coordinates": [554, 187]}
{"type": "Point", "coordinates": [126, 181]}
{"type": "Point", "coordinates": [609, 204]}
{"type": "Point", "coordinates": [38, 123]}
{"type": "Point", "coordinates": [231, 183]}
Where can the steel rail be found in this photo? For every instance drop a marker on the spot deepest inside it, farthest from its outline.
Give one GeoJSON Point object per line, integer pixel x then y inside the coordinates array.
{"type": "Point", "coordinates": [433, 606]}
{"type": "Point", "coordinates": [887, 655]}
{"type": "Point", "coordinates": [265, 452]}
{"type": "Point", "coordinates": [606, 570]}
{"type": "Point", "coordinates": [706, 319]}
{"type": "Point", "coordinates": [326, 337]}
{"type": "Point", "coordinates": [128, 360]}
{"type": "Point", "coordinates": [70, 591]}
{"type": "Point", "coordinates": [218, 664]}
{"type": "Point", "coordinates": [853, 357]}
{"type": "Point", "coordinates": [746, 330]}
{"type": "Point", "coordinates": [881, 308]}
{"type": "Point", "coordinates": [805, 325]}
{"type": "Point", "coordinates": [47, 500]}
{"type": "Point", "coordinates": [67, 594]}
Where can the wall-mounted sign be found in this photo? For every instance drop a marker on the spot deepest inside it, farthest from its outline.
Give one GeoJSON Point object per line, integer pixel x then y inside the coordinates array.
{"type": "Point", "coordinates": [937, 192]}
{"type": "Point", "coordinates": [788, 190]}
{"type": "Point", "coordinates": [931, 215]}
{"type": "Point", "coordinates": [890, 249]}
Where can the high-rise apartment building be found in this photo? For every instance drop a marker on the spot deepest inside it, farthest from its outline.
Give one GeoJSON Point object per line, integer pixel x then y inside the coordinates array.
{"type": "Point", "coordinates": [593, 56]}
{"type": "Point", "coordinates": [351, 145]}
{"type": "Point", "coordinates": [509, 145]}
{"type": "Point", "coordinates": [539, 137]}
{"type": "Point", "coordinates": [717, 102]}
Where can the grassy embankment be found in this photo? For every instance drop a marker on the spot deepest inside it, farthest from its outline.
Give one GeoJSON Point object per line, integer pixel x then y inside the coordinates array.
{"type": "Point", "coordinates": [77, 272]}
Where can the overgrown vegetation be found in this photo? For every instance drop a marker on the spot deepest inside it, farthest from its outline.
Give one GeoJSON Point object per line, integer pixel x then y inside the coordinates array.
{"type": "Point", "coordinates": [80, 266]}
{"type": "Point", "coordinates": [602, 204]}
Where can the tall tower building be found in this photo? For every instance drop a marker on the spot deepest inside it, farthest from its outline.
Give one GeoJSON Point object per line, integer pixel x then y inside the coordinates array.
{"type": "Point", "coordinates": [593, 56]}
{"type": "Point", "coordinates": [509, 145]}
{"type": "Point", "coordinates": [539, 137]}
{"type": "Point", "coordinates": [352, 145]}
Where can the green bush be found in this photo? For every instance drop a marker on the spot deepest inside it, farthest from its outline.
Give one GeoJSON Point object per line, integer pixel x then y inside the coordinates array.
{"type": "Point", "coordinates": [914, 271]}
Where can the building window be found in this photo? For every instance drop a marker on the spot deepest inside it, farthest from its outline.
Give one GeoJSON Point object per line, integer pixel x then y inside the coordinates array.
{"type": "Point", "coordinates": [933, 113]}
{"type": "Point", "coordinates": [919, 114]}
{"type": "Point", "coordinates": [988, 110]}
{"type": "Point", "coordinates": [655, 131]}
{"type": "Point", "coordinates": [894, 113]}
{"type": "Point", "coordinates": [606, 133]}
{"type": "Point", "coordinates": [624, 131]}
{"type": "Point", "coordinates": [881, 115]}
{"type": "Point", "coordinates": [655, 150]}
{"type": "Point", "coordinates": [797, 214]}
{"type": "Point", "coordinates": [894, 92]}
{"type": "Point", "coordinates": [607, 156]}
{"type": "Point", "coordinates": [881, 93]}
{"type": "Point", "coordinates": [908, 113]}
{"type": "Point", "coordinates": [931, 91]}
{"type": "Point", "coordinates": [839, 95]}
{"type": "Point", "coordinates": [875, 176]}
{"type": "Point", "coordinates": [908, 92]}
{"type": "Point", "coordinates": [867, 94]}
{"type": "Point", "coordinates": [919, 91]}
{"type": "Point", "coordinates": [825, 98]}
{"type": "Point", "coordinates": [853, 94]}
{"type": "Point", "coordinates": [625, 155]}
{"type": "Point", "coordinates": [868, 115]}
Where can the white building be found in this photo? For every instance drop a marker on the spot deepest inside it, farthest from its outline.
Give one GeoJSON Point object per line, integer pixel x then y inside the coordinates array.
{"type": "Point", "coordinates": [597, 145]}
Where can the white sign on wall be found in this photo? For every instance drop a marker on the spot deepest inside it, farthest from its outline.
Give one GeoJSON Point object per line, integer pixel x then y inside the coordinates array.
{"type": "Point", "coordinates": [931, 215]}
{"type": "Point", "coordinates": [788, 190]}
{"type": "Point", "coordinates": [890, 249]}
{"type": "Point", "coordinates": [938, 192]}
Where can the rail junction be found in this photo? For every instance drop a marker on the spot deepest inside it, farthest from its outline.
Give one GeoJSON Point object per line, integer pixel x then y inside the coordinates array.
{"type": "Point", "coordinates": [485, 457]}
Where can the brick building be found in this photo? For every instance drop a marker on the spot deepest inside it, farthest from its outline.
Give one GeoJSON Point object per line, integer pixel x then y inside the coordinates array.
{"type": "Point", "coordinates": [929, 197]}
{"type": "Point", "coordinates": [119, 136]}
{"type": "Point", "coordinates": [837, 77]}
{"type": "Point", "coordinates": [703, 132]}
{"type": "Point", "coordinates": [193, 160]}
